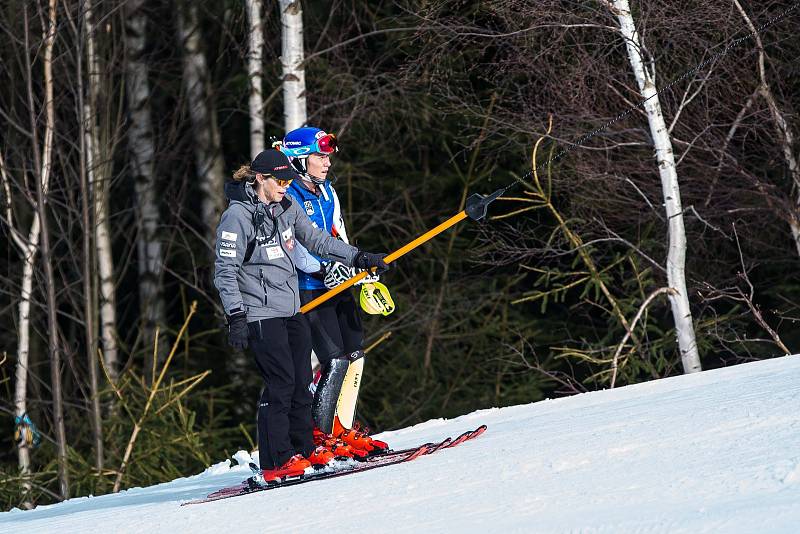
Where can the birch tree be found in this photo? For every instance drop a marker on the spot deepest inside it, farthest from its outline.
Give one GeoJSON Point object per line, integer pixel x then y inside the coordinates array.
{"type": "Point", "coordinates": [28, 248]}
{"type": "Point", "coordinates": [676, 256]}
{"type": "Point", "coordinates": [97, 150]}
{"type": "Point", "coordinates": [45, 166]}
{"type": "Point", "coordinates": [105, 267]}
{"type": "Point", "coordinates": [142, 149]}
{"type": "Point", "coordinates": [294, 76]}
{"type": "Point", "coordinates": [255, 63]}
{"type": "Point", "coordinates": [210, 168]}
{"type": "Point", "coordinates": [88, 265]}
{"type": "Point", "coordinates": [98, 157]}
{"type": "Point", "coordinates": [37, 241]}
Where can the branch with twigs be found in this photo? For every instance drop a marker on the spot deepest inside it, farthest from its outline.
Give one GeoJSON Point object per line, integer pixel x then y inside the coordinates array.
{"type": "Point", "coordinates": [629, 332]}
{"type": "Point", "coordinates": [738, 295]}
{"type": "Point", "coordinates": [540, 196]}
{"type": "Point", "coordinates": [154, 389]}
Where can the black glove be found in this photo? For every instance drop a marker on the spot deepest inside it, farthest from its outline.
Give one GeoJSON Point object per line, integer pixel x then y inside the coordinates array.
{"type": "Point", "coordinates": [237, 330]}
{"type": "Point", "coordinates": [368, 260]}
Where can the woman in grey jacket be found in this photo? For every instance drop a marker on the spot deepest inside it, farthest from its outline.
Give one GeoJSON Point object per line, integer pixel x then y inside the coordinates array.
{"type": "Point", "coordinates": [255, 275]}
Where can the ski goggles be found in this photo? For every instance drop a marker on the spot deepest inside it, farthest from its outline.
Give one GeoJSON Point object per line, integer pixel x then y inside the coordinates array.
{"type": "Point", "coordinates": [279, 181]}
{"type": "Point", "coordinates": [326, 145]}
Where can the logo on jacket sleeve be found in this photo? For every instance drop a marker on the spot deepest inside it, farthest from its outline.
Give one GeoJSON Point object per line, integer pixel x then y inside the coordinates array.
{"type": "Point", "coordinates": [288, 238]}
{"type": "Point", "coordinates": [309, 207]}
{"type": "Point", "coordinates": [229, 236]}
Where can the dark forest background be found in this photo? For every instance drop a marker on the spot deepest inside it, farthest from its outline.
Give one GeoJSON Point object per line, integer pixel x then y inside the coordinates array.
{"type": "Point", "coordinates": [431, 101]}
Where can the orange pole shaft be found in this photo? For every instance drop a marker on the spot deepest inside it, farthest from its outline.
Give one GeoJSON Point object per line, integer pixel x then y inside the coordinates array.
{"type": "Point", "coordinates": [427, 236]}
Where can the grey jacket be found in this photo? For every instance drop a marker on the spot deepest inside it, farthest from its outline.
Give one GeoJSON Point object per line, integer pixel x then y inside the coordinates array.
{"type": "Point", "coordinates": [254, 269]}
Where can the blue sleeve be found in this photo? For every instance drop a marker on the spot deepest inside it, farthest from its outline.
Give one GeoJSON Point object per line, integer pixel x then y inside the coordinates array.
{"type": "Point", "coordinates": [319, 242]}
{"type": "Point", "coordinates": [304, 260]}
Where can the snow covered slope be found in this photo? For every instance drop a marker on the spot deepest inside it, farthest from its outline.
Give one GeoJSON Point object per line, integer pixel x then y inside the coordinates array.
{"type": "Point", "coordinates": [717, 451]}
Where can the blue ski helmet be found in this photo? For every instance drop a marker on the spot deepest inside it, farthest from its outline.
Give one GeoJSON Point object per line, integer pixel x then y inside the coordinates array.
{"type": "Point", "coordinates": [307, 140]}
{"type": "Point", "coordinates": [301, 142]}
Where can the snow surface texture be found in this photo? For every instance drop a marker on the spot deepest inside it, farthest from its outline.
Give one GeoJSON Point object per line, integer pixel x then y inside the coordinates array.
{"type": "Point", "coordinates": [717, 451]}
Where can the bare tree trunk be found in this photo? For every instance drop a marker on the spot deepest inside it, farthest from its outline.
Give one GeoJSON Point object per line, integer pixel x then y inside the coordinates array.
{"type": "Point", "coordinates": [140, 139]}
{"type": "Point", "coordinates": [28, 251]}
{"type": "Point", "coordinates": [105, 270]}
{"type": "Point", "coordinates": [97, 168]}
{"type": "Point", "coordinates": [23, 349]}
{"type": "Point", "coordinates": [255, 63]}
{"type": "Point", "coordinates": [43, 171]}
{"type": "Point", "coordinates": [207, 150]}
{"type": "Point", "coordinates": [238, 365]}
{"type": "Point", "coordinates": [676, 257]}
{"type": "Point", "coordinates": [294, 76]}
{"type": "Point", "coordinates": [782, 129]}
{"type": "Point", "coordinates": [89, 299]}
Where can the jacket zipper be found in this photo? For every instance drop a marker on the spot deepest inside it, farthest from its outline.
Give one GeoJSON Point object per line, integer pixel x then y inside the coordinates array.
{"type": "Point", "coordinates": [263, 284]}
{"type": "Point", "coordinates": [322, 214]}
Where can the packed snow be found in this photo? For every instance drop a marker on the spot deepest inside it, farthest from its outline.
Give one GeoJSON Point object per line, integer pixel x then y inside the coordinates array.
{"type": "Point", "coordinates": [717, 451]}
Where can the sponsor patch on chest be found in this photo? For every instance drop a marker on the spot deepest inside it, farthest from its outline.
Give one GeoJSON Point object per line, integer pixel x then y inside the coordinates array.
{"type": "Point", "coordinates": [262, 241]}
{"type": "Point", "coordinates": [275, 253]}
{"type": "Point", "coordinates": [309, 207]}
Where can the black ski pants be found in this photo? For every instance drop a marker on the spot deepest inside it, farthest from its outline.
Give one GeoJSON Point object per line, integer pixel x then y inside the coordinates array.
{"type": "Point", "coordinates": [335, 325]}
{"type": "Point", "coordinates": [282, 347]}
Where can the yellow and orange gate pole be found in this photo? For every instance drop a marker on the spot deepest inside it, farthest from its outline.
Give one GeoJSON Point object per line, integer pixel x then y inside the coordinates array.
{"type": "Point", "coordinates": [475, 210]}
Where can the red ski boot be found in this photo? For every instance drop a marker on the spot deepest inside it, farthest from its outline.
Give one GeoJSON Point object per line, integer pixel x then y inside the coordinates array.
{"type": "Point", "coordinates": [338, 447]}
{"type": "Point", "coordinates": [321, 456]}
{"type": "Point", "coordinates": [358, 440]}
{"type": "Point", "coordinates": [294, 466]}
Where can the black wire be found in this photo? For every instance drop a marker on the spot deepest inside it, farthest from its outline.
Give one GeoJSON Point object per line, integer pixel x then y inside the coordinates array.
{"type": "Point", "coordinates": [627, 112]}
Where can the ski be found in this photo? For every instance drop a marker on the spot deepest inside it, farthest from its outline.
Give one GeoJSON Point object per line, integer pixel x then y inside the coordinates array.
{"type": "Point", "coordinates": [373, 462]}
{"type": "Point", "coordinates": [445, 444]}
{"type": "Point", "coordinates": [251, 486]}
{"type": "Point", "coordinates": [467, 436]}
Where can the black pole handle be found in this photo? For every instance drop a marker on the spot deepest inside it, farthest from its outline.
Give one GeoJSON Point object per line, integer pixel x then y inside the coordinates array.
{"type": "Point", "coordinates": [477, 204]}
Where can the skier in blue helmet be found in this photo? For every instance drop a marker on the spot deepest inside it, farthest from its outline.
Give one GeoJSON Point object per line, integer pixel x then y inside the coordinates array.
{"type": "Point", "coordinates": [336, 331]}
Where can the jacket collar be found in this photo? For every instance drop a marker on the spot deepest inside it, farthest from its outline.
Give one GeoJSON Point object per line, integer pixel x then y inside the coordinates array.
{"type": "Point", "coordinates": [240, 191]}
{"type": "Point", "coordinates": [243, 192]}
{"type": "Point", "coordinates": [304, 193]}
